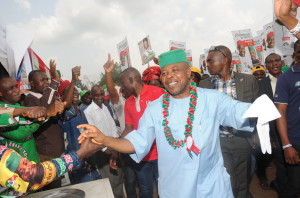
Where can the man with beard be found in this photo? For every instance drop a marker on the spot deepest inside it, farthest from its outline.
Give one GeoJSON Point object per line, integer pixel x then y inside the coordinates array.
{"type": "Point", "coordinates": [185, 116]}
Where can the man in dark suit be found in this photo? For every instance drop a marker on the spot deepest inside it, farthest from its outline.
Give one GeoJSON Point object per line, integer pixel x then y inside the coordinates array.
{"type": "Point", "coordinates": [235, 145]}
{"type": "Point", "coordinates": [267, 86]}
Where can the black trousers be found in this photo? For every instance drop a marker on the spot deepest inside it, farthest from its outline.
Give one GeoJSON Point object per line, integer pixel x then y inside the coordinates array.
{"type": "Point", "coordinates": [292, 188]}
{"type": "Point", "coordinates": [237, 161]}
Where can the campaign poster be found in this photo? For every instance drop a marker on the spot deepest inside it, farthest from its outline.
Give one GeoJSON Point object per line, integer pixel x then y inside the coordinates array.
{"type": "Point", "coordinates": [243, 40]}
{"type": "Point", "coordinates": [259, 49]}
{"type": "Point", "coordinates": [146, 51]}
{"type": "Point", "coordinates": [206, 54]}
{"type": "Point", "coordinates": [123, 50]}
{"type": "Point", "coordinates": [284, 43]}
{"type": "Point", "coordinates": [177, 45]}
{"type": "Point", "coordinates": [189, 57]}
{"type": "Point", "coordinates": [236, 64]}
{"type": "Point", "coordinates": [22, 175]}
{"type": "Point", "coordinates": [268, 39]}
{"type": "Point", "coordinates": [22, 79]}
{"type": "Point", "coordinates": [202, 63]}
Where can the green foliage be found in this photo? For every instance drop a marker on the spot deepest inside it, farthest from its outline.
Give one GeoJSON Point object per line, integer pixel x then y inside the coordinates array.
{"type": "Point", "coordinates": [81, 85]}
{"type": "Point", "coordinates": [115, 74]}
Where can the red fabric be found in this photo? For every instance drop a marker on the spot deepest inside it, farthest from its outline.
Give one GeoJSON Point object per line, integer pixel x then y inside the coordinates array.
{"type": "Point", "coordinates": [63, 85]}
{"type": "Point", "coordinates": [37, 62]}
{"type": "Point", "coordinates": [132, 117]}
{"type": "Point", "coordinates": [297, 2]}
{"type": "Point", "coordinates": [124, 52]}
{"type": "Point", "coordinates": [240, 42]}
{"type": "Point", "coordinates": [151, 73]}
{"type": "Point", "coordinates": [106, 97]}
{"type": "Point", "coordinates": [270, 34]}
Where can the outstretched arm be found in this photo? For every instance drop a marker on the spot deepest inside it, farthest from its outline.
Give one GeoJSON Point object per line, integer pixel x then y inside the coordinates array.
{"type": "Point", "coordinates": [121, 145]}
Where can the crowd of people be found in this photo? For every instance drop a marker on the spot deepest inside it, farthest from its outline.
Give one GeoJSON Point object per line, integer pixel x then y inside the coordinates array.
{"type": "Point", "coordinates": [170, 128]}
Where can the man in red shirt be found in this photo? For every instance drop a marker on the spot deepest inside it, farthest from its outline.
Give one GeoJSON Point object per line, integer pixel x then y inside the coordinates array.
{"type": "Point", "coordinates": [138, 97]}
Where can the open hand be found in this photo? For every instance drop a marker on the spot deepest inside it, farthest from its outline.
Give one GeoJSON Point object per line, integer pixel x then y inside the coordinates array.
{"type": "Point", "coordinates": [109, 65]}
{"type": "Point", "coordinates": [53, 72]}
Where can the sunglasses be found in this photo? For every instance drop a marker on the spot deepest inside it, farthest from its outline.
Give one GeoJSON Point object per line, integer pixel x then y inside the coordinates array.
{"type": "Point", "coordinates": [213, 48]}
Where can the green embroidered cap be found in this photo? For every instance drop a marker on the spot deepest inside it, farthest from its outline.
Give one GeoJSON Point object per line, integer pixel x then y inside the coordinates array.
{"type": "Point", "coordinates": [170, 57]}
{"type": "Point", "coordinates": [13, 161]}
{"type": "Point", "coordinates": [251, 48]}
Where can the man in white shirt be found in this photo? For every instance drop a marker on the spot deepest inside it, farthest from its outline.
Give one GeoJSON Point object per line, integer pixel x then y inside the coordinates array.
{"type": "Point", "coordinates": [98, 115]}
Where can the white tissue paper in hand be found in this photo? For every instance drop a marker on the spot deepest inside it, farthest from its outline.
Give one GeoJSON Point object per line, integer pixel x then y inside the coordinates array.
{"type": "Point", "coordinates": [265, 111]}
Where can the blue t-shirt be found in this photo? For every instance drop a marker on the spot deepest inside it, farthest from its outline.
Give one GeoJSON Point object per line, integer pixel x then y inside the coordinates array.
{"type": "Point", "coordinates": [288, 92]}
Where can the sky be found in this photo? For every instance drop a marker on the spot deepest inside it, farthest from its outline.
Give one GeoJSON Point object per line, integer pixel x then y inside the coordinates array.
{"type": "Point", "coordinates": [76, 32]}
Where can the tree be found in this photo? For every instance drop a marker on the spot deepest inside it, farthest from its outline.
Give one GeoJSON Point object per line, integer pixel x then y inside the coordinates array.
{"type": "Point", "coordinates": [81, 85]}
{"type": "Point", "coordinates": [115, 74]}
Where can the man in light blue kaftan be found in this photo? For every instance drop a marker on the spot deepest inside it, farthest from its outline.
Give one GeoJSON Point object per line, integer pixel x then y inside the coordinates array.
{"type": "Point", "coordinates": [179, 174]}
{"type": "Point", "coordinates": [183, 174]}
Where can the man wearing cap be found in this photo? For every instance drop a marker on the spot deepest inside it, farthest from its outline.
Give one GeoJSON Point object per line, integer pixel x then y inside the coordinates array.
{"type": "Point", "coordinates": [184, 122]}
{"type": "Point", "coordinates": [239, 68]}
{"type": "Point", "coordinates": [259, 72]}
{"type": "Point", "coordinates": [20, 176]}
{"type": "Point", "coordinates": [196, 75]}
{"type": "Point", "coordinates": [86, 99]}
{"type": "Point", "coordinates": [270, 40]}
{"type": "Point", "coordinates": [252, 51]}
{"type": "Point", "coordinates": [236, 144]}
